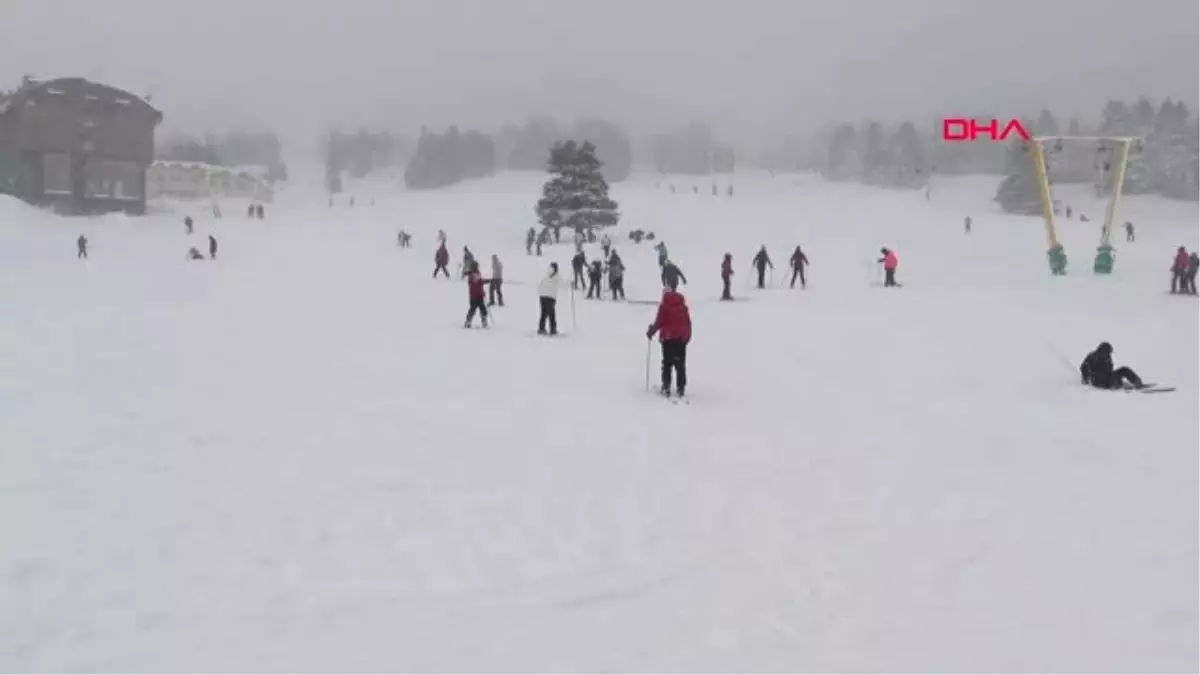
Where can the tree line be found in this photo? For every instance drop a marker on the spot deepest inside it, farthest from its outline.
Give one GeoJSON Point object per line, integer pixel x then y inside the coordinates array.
{"type": "Point", "coordinates": [234, 149]}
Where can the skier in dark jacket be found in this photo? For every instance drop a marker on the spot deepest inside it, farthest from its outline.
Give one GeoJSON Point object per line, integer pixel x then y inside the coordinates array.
{"type": "Point", "coordinates": [726, 276]}
{"type": "Point", "coordinates": [673, 324]}
{"type": "Point", "coordinates": [1179, 271]}
{"type": "Point", "coordinates": [530, 238]}
{"type": "Point", "coordinates": [967, 224]}
{"type": "Point", "coordinates": [81, 245]}
{"type": "Point", "coordinates": [578, 263]}
{"type": "Point", "coordinates": [672, 275]}
{"type": "Point", "coordinates": [441, 260]}
{"type": "Point", "coordinates": [212, 247]}
{"type": "Point", "coordinates": [798, 261]}
{"type": "Point", "coordinates": [761, 262]}
{"type": "Point", "coordinates": [1097, 371]}
{"type": "Point", "coordinates": [258, 211]}
{"type": "Point", "coordinates": [476, 295]}
{"type": "Point", "coordinates": [187, 222]}
{"type": "Point", "coordinates": [595, 274]}
{"type": "Point", "coordinates": [616, 276]}
{"type": "Point", "coordinates": [1192, 267]}
{"type": "Point", "coordinates": [1129, 236]}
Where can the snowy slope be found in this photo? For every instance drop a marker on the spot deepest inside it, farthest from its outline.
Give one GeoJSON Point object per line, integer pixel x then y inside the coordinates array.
{"type": "Point", "coordinates": [295, 457]}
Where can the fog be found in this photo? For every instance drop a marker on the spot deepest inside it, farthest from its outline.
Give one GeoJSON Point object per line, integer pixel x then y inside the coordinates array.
{"type": "Point", "coordinates": [748, 67]}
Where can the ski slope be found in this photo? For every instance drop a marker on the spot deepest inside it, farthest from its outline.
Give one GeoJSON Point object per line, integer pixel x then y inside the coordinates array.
{"type": "Point", "coordinates": [296, 458]}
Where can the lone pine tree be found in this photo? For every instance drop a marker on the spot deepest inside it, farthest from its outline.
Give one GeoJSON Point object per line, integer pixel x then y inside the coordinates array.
{"type": "Point", "coordinates": [576, 196]}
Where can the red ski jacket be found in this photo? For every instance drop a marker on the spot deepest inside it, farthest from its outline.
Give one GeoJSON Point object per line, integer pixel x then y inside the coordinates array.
{"type": "Point", "coordinates": [1181, 262]}
{"type": "Point", "coordinates": [673, 322]}
{"type": "Point", "coordinates": [475, 288]}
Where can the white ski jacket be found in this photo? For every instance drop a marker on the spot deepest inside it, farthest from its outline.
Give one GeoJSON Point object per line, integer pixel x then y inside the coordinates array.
{"type": "Point", "coordinates": [497, 269]}
{"type": "Point", "coordinates": [548, 287]}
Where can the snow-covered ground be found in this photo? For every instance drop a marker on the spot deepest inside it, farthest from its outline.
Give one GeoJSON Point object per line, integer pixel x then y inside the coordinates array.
{"type": "Point", "coordinates": [296, 458]}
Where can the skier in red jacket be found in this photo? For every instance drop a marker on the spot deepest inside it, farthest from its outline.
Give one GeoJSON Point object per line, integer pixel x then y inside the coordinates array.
{"type": "Point", "coordinates": [477, 295]}
{"type": "Point", "coordinates": [674, 327]}
{"type": "Point", "coordinates": [1179, 268]}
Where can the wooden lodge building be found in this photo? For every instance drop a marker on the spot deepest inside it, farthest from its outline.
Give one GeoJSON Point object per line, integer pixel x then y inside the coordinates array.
{"type": "Point", "coordinates": [76, 146]}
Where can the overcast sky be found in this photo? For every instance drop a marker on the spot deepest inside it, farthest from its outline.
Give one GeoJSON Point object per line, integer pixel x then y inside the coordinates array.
{"type": "Point", "coordinates": [746, 66]}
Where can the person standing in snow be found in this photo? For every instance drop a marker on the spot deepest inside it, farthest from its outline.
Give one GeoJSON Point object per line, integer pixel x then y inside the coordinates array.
{"type": "Point", "coordinates": [81, 246]}
{"type": "Point", "coordinates": [606, 246]}
{"type": "Point", "coordinates": [530, 237]}
{"type": "Point", "coordinates": [1192, 267]}
{"type": "Point", "coordinates": [1129, 232]}
{"type": "Point", "coordinates": [1097, 371]}
{"type": "Point", "coordinates": [673, 323]}
{"type": "Point", "coordinates": [661, 247]}
{"type": "Point", "coordinates": [890, 263]}
{"type": "Point", "coordinates": [726, 276]}
{"type": "Point", "coordinates": [967, 224]}
{"type": "Point", "coordinates": [441, 261]}
{"type": "Point", "coordinates": [495, 293]}
{"type": "Point", "coordinates": [672, 275]}
{"type": "Point", "coordinates": [250, 211]}
{"type": "Point", "coordinates": [595, 274]}
{"type": "Point", "coordinates": [258, 211]}
{"type": "Point", "coordinates": [616, 276]}
{"type": "Point", "coordinates": [548, 300]}
{"type": "Point", "coordinates": [799, 261]}
{"type": "Point", "coordinates": [475, 296]}
{"type": "Point", "coordinates": [578, 262]}
{"type": "Point", "coordinates": [1179, 271]}
{"type": "Point", "coordinates": [187, 223]}
{"type": "Point", "coordinates": [761, 262]}
{"type": "Point", "coordinates": [212, 247]}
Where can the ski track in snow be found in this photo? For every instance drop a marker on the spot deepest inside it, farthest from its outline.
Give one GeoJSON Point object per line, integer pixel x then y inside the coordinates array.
{"type": "Point", "coordinates": [294, 458]}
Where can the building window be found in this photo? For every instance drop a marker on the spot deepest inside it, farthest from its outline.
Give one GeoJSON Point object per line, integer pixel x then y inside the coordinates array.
{"type": "Point", "coordinates": [113, 179]}
{"type": "Point", "coordinates": [56, 173]}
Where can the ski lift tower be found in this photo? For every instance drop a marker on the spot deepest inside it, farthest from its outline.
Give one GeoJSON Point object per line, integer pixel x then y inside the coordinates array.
{"type": "Point", "coordinates": [1113, 155]}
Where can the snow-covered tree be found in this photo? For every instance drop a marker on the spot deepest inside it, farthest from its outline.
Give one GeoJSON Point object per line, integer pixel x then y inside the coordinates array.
{"type": "Point", "coordinates": [1018, 192]}
{"type": "Point", "coordinates": [576, 196]}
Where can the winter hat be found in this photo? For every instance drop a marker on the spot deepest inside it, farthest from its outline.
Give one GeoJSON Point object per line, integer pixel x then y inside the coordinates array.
{"type": "Point", "coordinates": [1104, 348]}
{"type": "Point", "coordinates": [554, 267]}
{"type": "Point", "coordinates": [883, 250]}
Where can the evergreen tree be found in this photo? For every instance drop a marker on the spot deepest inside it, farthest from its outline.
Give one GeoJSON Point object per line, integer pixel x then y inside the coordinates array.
{"type": "Point", "coordinates": [909, 161]}
{"type": "Point", "coordinates": [576, 196]}
{"type": "Point", "coordinates": [1018, 192]}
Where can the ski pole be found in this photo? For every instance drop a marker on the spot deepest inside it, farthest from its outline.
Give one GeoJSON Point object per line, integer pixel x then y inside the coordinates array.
{"type": "Point", "coordinates": [647, 365]}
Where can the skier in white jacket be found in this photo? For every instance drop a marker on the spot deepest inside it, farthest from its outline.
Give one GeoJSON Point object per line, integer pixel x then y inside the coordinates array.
{"type": "Point", "coordinates": [548, 298]}
{"type": "Point", "coordinates": [494, 290]}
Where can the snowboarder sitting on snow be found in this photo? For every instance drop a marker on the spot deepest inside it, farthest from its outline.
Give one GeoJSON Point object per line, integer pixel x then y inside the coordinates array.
{"type": "Point", "coordinates": [194, 254]}
{"type": "Point", "coordinates": [761, 262]}
{"type": "Point", "coordinates": [672, 275]}
{"type": "Point", "coordinates": [616, 276]}
{"type": "Point", "coordinates": [674, 327]}
{"type": "Point", "coordinates": [440, 261]}
{"type": "Point", "coordinates": [595, 274]}
{"type": "Point", "coordinates": [799, 261]}
{"type": "Point", "coordinates": [1179, 271]}
{"type": "Point", "coordinates": [890, 263]}
{"type": "Point", "coordinates": [548, 299]}
{"type": "Point", "coordinates": [578, 262]}
{"type": "Point", "coordinates": [476, 295]}
{"type": "Point", "coordinates": [1097, 371]}
{"type": "Point", "coordinates": [726, 276]}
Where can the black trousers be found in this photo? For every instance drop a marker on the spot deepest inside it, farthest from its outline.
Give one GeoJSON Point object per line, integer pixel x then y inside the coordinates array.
{"type": "Point", "coordinates": [798, 272]}
{"type": "Point", "coordinates": [548, 315]}
{"type": "Point", "coordinates": [889, 277]}
{"type": "Point", "coordinates": [495, 293]}
{"type": "Point", "coordinates": [674, 358]}
{"type": "Point", "coordinates": [725, 295]}
{"type": "Point", "coordinates": [441, 267]}
{"type": "Point", "coordinates": [1191, 282]}
{"type": "Point", "coordinates": [477, 304]}
{"type": "Point", "coordinates": [578, 281]}
{"type": "Point", "coordinates": [594, 287]}
{"type": "Point", "coordinates": [82, 255]}
{"type": "Point", "coordinates": [1122, 375]}
{"type": "Point", "coordinates": [617, 286]}
{"type": "Point", "coordinates": [762, 275]}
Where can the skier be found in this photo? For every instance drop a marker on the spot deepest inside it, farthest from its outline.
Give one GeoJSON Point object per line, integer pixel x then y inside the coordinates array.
{"type": "Point", "coordinates": [661, 247]}
{"type": "Point", "coordinates": [250, 211]}
{"type": "Point", "coordinates": [212, 247]}
{"type": "Point", "coordinates": [890, 262]}
{"type": "Point", "coordinates": [1097, 371]}
{"type": "Point", "coordinates": [726, 276]}
{"type": "Point", "coordinates": [616, 276]}
{"type": "Point", "coordinates": [548, 298]}
{"type": "Point", "coordinates": [606, 246]}
{"type": "Point", "coordinates": [194, 254]}
{"type": "Point", "coordinates": [405, 239]}
{"type": "Point", "coordinates": [1192, 268]}
{"type": "Point", "coordinates": [81, 245]}
{"type": "Point", "coordinates": [578, 262]}
{"type": "Point", "coordinates": [543, 238]}
{"type": "Point", "coordinates": [440, 261]}
{"type": "Point", "coordinates": [258, 211]}
{"type": "Point", "coordinates": [475, 295]}
{"type": "Point", "coordinates": [579, 239]}
{"type": "Point", "coordinates": [1068, 211]}
{"type": "Point", "coordinates": [595, 274]}
{"type": "Point", "coordinates": [799, 261]}
{"type": "Point", "coordinates": [674, 327]}
{"type": "Point", "coordinates": [495, 293]}
{"type": "Point", "coordinates": [187, 222]}
{"type": "Point", "coordinates": [967, 224]}
{"type": "Point", "coordinates": [530, 237]}
{"type": "Point", "coordinates": [1129, 231]}
{"type": "Point", "coordinates": [468, 261]}
{"type": "Point", "coordinates": [761, 262]}
{"type": "Point", "coordinates": [672, 275]}
{"type": "Point", "coordinates": [1179, 271]}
